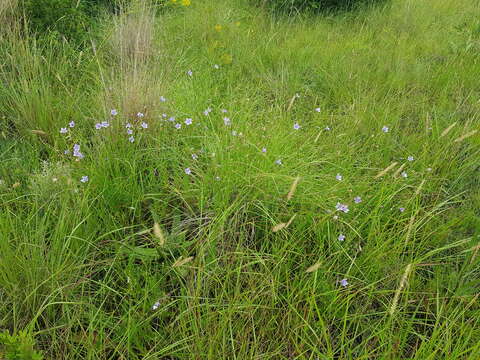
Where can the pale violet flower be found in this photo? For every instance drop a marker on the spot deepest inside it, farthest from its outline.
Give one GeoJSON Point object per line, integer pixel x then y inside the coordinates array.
{"type": "Point", "coordinates": [171, 118]}
{"type": "Point", "coordinates": [188, 171]}
{"type": "Point", "coordinates": [207, 111]}
{"type": "Point", "coordinates": [402, 209]}
{"type": "Point", "coordinates": [178, 126]}
{"type": "Point", "coordinates": [339, 177]}
{"type": "Point", "coordinates": [357, 199]}
{"type": "Point", "coordinates": [296, 126]}
{"type": "Point", "coordinates": [188, 121]}
{"type": "Point", "coordinates": [144, 125]}
{"type": "Point", "coordinates": [140, 114]}
{"type": "Point", "coordinates": [404, 174]}
{"type": "Point", "coordinates": [224, 111]}
{"type": "Point", "coordinates": [278, 162]}
{"type": "Point", "coordinates": [264, 150]}
{"type": "Point", "coordinates": [385, 129]}
{"type": "Point", "coordinates": [341, 237]}
{"type": "Point", "coordinates": [71, 124]}
{"type": "Point", "coordinates": [342, 207]}
{"type": "Point", "coordinates": [227, 121]}
{"type": "Point", "coordinates": [156, 305]}
{"type": "Point", "coordinates": [66, 152]}
{"type": "Point", "coordinates": [128, 125]}
{"type": "Point", "coordinates": [129, 131]}
{"type": "Point", "coordinates": [84, 179]}
{"type": "Point", "coordinates": [410, 158]}
{"type": "Point", "coordinates": [343, 282]}
{"type": "Point", "coordinates": [113, 112]}
{"type": "Point", "coordinates": [98, 126]}
{"type": "Point", "coordinates": [162, 99]}
{"type": "Point", "coordinates": [63, 130]}
{"type": "Point", "coordinates": [189, 72]}
{"type": "Point", "coordinates": [164, 115]}
{"type": "Point", "coordinates": [131, 139]}
{"type": "Point", "coordinates": [105, 124]}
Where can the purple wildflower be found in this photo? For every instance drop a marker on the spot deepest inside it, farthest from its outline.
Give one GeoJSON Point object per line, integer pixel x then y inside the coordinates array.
{"type": "Point", "coordinates": [404, 174]}
{"type": "Point", "coordinates": [144, 125]}
{"type": "Point", "coordinates": [385, 129]}
{"type": "Point", "coordinates": [113, 112]}
{"type": "Point", "coordinates": [129, 131]}
{"type": "Point", "coordinates": [140, 114]}
{"type": "Point", "coordinates": [178, 126]}
{"type": "Point", "coordinates": [188, 121]}
{"type": "Point", "coordinates": [410, 158]}
{"type": "Point", "coordinates": [63, 130]}
{"type": "Point", "coordinates": [189, 72]}
{"type": "Point", "coordinates": [131, 139]}
{"type": "Point", "coordinates": [342, 207]}
{"type": "Point", "coordinates": [105, 124]}
{"type": "Point", "coordinates": [278, 162]}
{"type": "Point", "coordinates": [84, 179]}
{"type": "Point", "coordinates": [341, 237]}
{"type": "Point", "coordinates": [98, 126]}
{"type": "Point", "coordinates": [339, 177]}
{"type": "Point", "coordinates": [402, 209]}
{"type": "Point", "coordinates": [227, 121]}
{"type": "Point", "coordinates": [296, 126]}
{"type": "Point", "coordinates": [188, 171]}
{"type": "Point", "coordinates": [357, 199]}
{"type": "Point", "coordinates": [194, 156]}
{"type": "Point", "coordinates": [162, 99]}
{"type": "Point", "coordinates": [343, 282]}
{"type": "Point", "coordinates": [264, 150]}
{"type": "Point", "coordinates": [71, 124]}
{"type": "Point", "coordinates": [317, 109]}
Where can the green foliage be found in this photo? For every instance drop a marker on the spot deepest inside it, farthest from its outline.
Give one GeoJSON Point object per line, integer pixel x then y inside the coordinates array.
{"type": "Point", "coordinates": [18, 346]}
{"type": "Point", "coordinates": [314, 5]}
{"type": "Point", "coordinates": [67, 19]}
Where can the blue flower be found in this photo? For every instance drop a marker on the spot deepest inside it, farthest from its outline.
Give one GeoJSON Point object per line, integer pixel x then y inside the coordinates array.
{"type": "Point", "coordinates": [296, 126]}
{"type": "Point", "coordinates": [113, 112]}
{"type": "Point", "coordinates": [144, 125]}
{"type": "Point", "coordinates": [357, 199]}
{"type": "Point", "coordinates": [341, 237]}
{"type": "Point", "coordinates": [344, 282]}
{"type": "Point", "coordinates": [385, 129]}
{"type": "Point", "coordinates": [84, 179]}
{"type": "Point", "coordinates": [342, 207]}
{"type": "Point", "coordinates": [188, 121]}
{"type": "Point", "coordinates": [188, 171]}
{"type": "Point", "coordinates": [71, 124]}
{"type": "Point", "coordinates": [178, 126]}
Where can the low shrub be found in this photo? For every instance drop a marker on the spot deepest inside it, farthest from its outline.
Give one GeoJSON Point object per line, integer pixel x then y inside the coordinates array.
{"type": "Point", "coordinates": [313, 5]}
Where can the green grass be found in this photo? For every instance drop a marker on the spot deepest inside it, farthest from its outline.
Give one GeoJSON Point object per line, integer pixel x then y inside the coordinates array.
{"type": "Point", "coordinates": [80, 267]}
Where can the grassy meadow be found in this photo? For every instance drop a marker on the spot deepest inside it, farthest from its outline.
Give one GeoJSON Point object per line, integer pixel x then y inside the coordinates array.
{"type": "Point", "coordinates": [212, 181]}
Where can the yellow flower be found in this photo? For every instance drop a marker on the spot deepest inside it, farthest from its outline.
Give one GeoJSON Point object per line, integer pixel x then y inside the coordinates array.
{"type": "Point", "coordinates": [218, 27]}
{"type": "Point", "coordinates": [227, 59]}
{"type": "Point", "coordinates": [186, 2]}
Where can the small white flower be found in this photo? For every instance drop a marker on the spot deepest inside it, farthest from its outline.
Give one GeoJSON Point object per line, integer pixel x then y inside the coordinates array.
{"type": "Point", "coordinates": [63, 130]}
{"type": "Point", "coordinates": [188, 171]}
{"type": "Point", "coordinates": [385, 129]}
{"type": "Point", "coordinates": [339, 177]}
{"type": "Point", "coordinates": [113, 112]}
{"type": "Point", "coordinates": [410, 158]}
